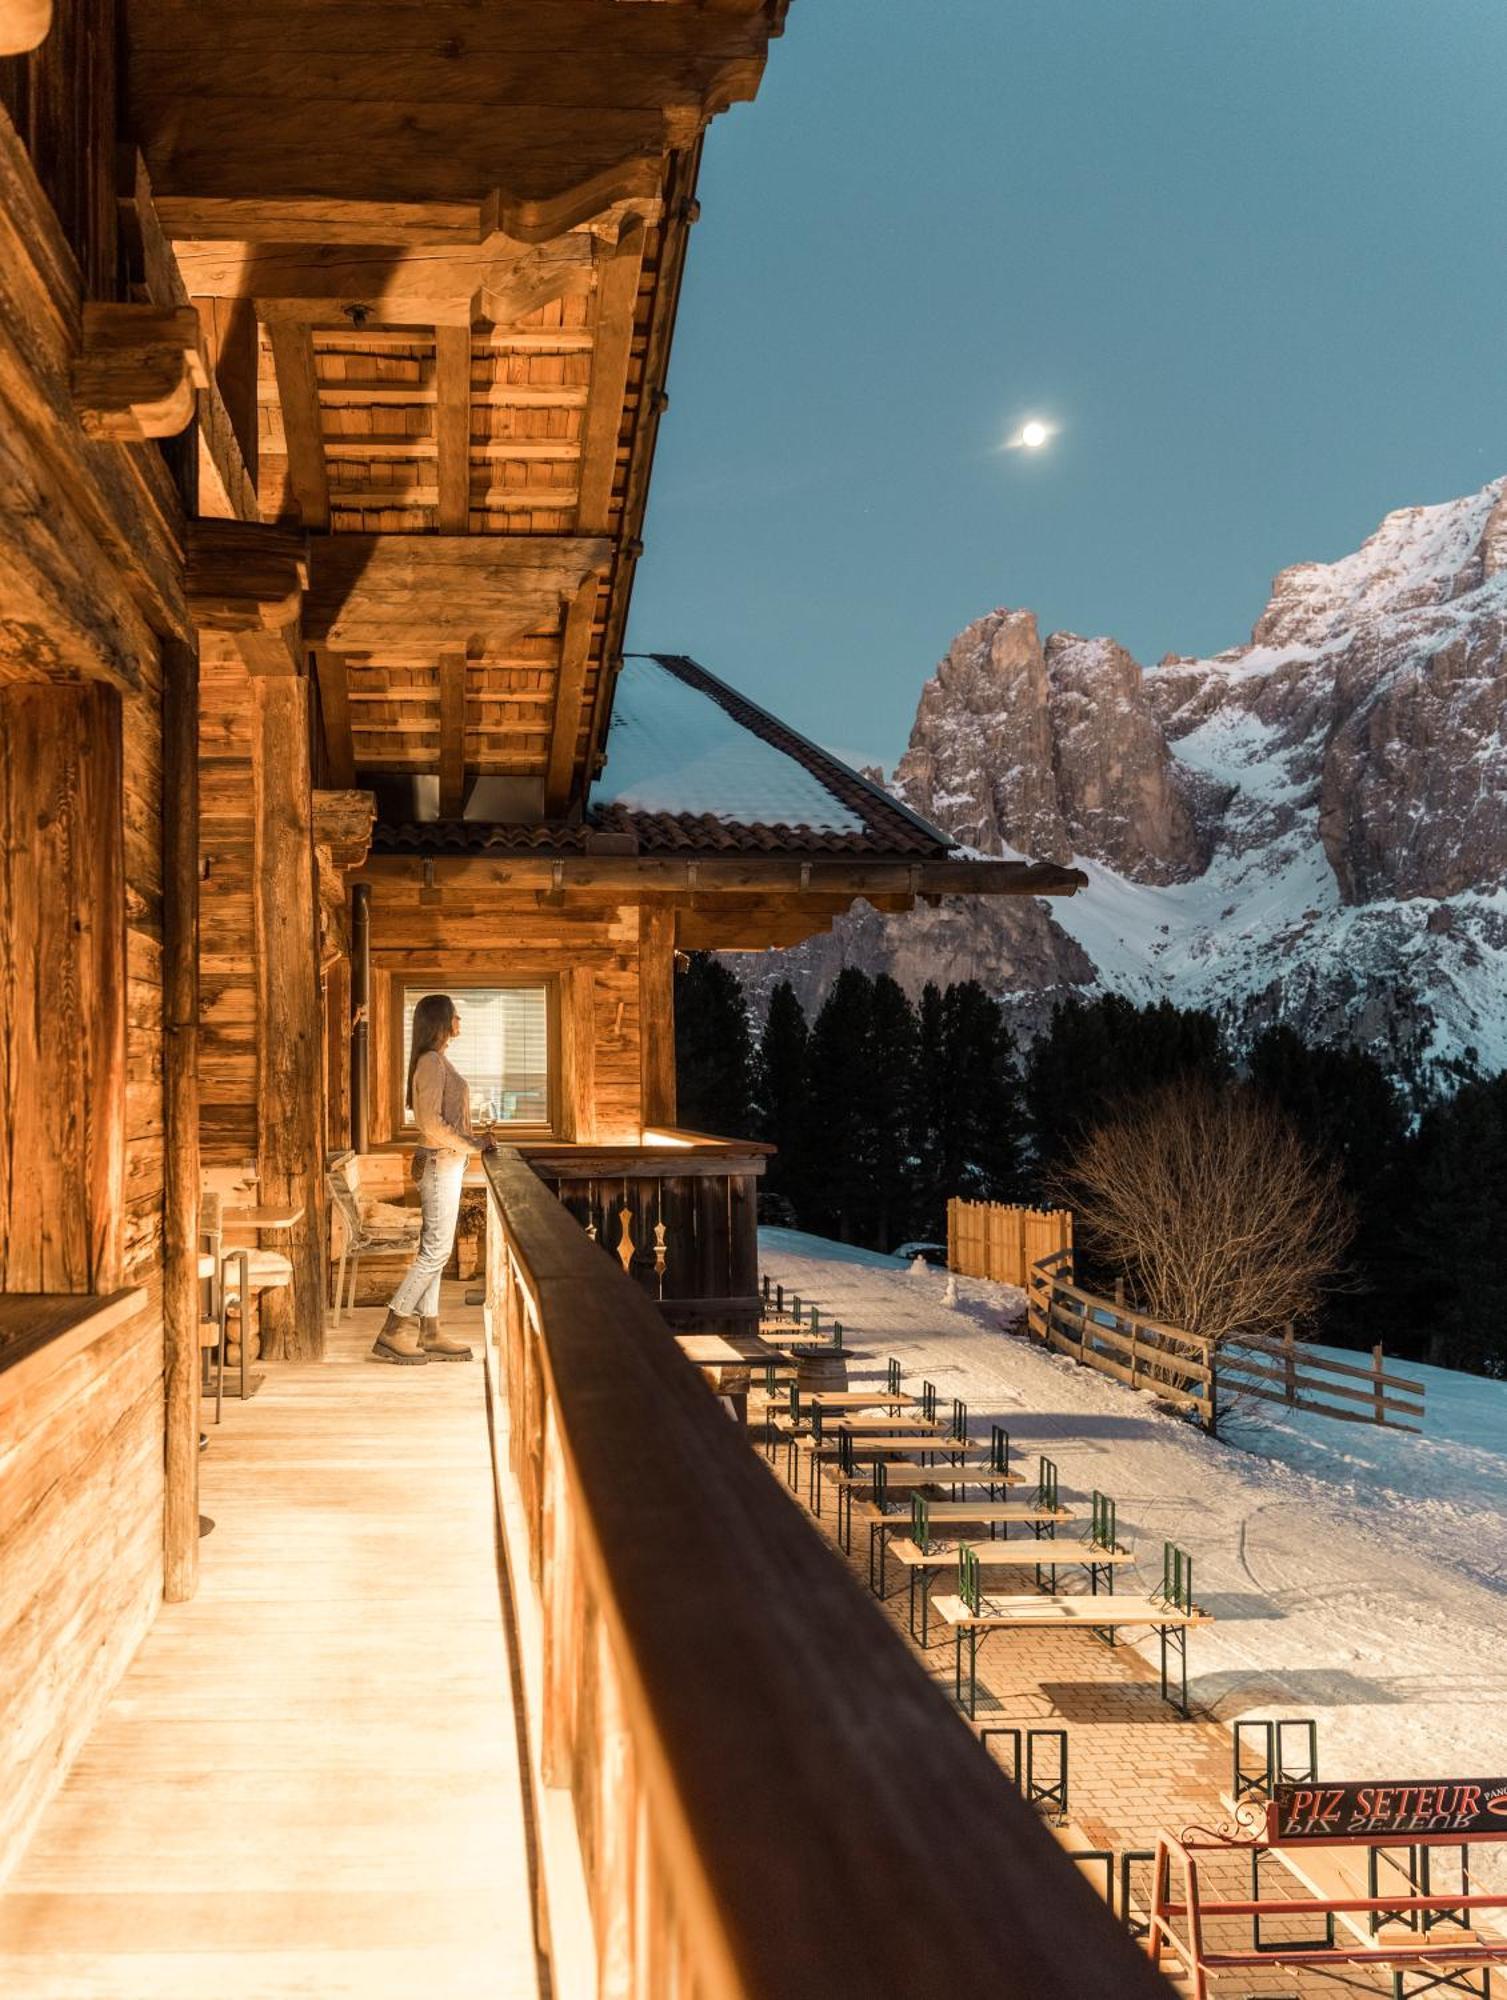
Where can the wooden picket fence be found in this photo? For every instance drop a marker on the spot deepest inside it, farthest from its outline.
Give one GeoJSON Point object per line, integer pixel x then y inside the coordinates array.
{"type": "Point", "coordinates": [1184, 1369]}
{"type": "Point", "coordinates": [986, 1239]}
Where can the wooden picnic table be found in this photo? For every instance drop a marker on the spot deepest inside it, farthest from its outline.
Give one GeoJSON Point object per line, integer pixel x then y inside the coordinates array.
{"type": "Point", "coordinates": [969, 1470]}
{"type": "Point", "coordinates": [1171, 1620]}
{"type": "Point", "coordinates": [990, 1514]}
{"type": "Point", "coordinates": [1043, 1553]}
{"type": "Point", "coordinates": [726, 1350]}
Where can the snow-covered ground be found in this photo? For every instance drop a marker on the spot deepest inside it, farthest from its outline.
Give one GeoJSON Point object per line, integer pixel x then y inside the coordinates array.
{"type": "Point", "coordinates": [1355, 1575]}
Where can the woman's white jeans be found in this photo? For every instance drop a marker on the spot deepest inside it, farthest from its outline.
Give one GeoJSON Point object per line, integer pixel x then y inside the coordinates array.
{"type": "Point", "coordinates": [439, 1198]}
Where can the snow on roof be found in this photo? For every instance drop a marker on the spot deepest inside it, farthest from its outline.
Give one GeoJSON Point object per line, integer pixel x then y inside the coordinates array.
{"type": "Point", "coordinates": [674, 748]}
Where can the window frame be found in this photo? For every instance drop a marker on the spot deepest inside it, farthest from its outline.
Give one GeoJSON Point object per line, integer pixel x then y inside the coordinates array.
{"type": "Point", "coordinates": [404, 1131]}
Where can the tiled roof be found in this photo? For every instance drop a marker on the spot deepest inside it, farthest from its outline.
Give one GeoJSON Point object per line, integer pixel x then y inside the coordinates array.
{"type": "Point", "coordinates": [693, 769]}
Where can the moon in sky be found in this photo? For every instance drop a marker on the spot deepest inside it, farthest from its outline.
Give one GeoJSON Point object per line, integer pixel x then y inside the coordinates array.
{"type": "Point", "coordinates": [1034, 435]}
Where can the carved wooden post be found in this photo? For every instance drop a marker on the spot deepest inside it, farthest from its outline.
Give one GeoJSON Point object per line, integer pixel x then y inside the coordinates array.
{"type": "Point", "coordinates": [289, 1017]}
{"type": "Point", "coordinates": [656, 1027]}
{"type": "Point", "coordinates": [180, 1116]}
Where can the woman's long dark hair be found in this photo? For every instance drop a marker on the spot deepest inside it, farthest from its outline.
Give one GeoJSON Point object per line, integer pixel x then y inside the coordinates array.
{"type": "Point", "coordinates": [431, 1029]}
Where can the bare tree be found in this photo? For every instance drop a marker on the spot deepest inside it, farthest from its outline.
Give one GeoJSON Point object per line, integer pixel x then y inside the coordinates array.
{"type": "Point", "coordinates": [1224, 1219]}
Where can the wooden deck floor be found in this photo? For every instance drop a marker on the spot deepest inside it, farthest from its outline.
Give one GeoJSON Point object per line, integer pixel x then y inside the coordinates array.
{"type": "Point", "coordinates": [307, 1784]}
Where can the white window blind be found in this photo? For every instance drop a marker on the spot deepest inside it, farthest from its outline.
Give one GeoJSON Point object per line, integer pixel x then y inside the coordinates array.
{"type": "Point", "coordinates": [502, 1050]}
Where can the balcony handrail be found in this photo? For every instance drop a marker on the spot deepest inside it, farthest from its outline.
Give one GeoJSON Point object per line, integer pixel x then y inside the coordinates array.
{"type": "Point", "coordinates": [759, 1763]}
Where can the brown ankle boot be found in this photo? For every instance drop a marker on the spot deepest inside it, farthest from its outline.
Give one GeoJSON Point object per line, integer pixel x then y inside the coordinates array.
{"type": "Point", "coordinates": [398, 1342]}
{"type": "Point", "coordinates": [439, 1346]}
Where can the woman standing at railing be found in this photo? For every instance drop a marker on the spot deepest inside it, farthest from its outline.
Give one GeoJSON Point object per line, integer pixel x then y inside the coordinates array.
{"type": "Point", "coordinates": [440, 1100]}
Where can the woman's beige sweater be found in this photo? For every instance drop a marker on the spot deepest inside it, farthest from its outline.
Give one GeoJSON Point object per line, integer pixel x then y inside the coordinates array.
{"type": "Point", "coordinates": [441, 1109]}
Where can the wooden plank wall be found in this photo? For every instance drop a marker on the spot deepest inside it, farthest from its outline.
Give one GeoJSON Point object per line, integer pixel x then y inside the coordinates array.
{"type": "Point", "coordinates": [593, 953]}
{"type": "Point", "coordinates": [61, 100]}
{"type": "Point", "coordinates": [141, 778]}
{"type": "Point", "coordinates": [227, 974]}
{"type": "Point", "coordinates": [80, 1553]}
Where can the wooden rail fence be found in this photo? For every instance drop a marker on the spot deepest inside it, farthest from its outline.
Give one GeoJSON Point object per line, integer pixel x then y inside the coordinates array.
{"type": "Point", "coordinates": [1196, 1375]}
{"type": "Point", "coordinates": [986, 1239]}
{"type": "Point", "coordinates": [758, 1783]}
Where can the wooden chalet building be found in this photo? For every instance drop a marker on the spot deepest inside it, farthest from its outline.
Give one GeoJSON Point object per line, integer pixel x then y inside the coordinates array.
{"type": "Point", "coordinates": [334, 340]}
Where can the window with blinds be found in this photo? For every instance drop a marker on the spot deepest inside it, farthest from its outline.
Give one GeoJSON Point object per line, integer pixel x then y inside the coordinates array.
{"type": "Point", "coordinates": [502, 1049]}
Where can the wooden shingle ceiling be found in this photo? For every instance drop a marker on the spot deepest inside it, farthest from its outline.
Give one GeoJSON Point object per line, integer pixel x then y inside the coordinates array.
{"type": "Point", "coordinates": [459, 226]}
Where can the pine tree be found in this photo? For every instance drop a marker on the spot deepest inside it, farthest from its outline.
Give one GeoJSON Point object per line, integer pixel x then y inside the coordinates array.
{"type": "Point", "coordinates": [889, 1103]}
{"type": "Point", "coordinates": [1344, 1104]}
{"type": "Point", "coordinates": [1457, 1236]}
{"type": "Point", "coordinates": [840, 1185]}
{"type": "Point", "coordinates": [1097, 1053]}
{"type": "Point", "coordinates": [782, 1088]}
{"type": "Point", "coordinates": [983, 1143]}
{"type": "Point", "coordinates": [931, 1115]}
{"type": "Point", "coordinates": [713, 1051]}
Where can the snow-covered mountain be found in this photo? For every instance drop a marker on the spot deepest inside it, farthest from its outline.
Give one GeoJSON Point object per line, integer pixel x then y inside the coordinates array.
{"type": "Point", "coordinates": [1311, 827]}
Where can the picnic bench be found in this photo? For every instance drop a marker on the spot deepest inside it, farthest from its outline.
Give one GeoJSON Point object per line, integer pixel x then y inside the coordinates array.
{"type": "Point", "coordinates": [964, 1467]}
{"type": "Point", "coordinates": [922, 1555]}
{"type": "Point", "coordinates": [971, 1615]}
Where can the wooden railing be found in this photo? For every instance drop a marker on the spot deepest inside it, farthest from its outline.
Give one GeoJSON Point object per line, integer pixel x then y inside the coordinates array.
{"type": "Point", "coordinates": [1142, 1353]}
{"type": "Point", "coordinates": [680, 1213]}
{"type": "Point", "coordinates": [987, 1239]}
{"type": "Point", "coordinates": [1208, 1379]}
{"type": "Point", "coordinates": [767, 1795]}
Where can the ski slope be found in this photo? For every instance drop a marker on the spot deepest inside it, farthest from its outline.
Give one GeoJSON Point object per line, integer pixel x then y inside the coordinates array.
{"type": "Point", "coordinates": [1358, 1576]}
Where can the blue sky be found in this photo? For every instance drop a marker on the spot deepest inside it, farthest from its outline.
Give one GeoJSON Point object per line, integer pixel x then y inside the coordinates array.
{"type": "Point", "coordinates": [1247, 253]}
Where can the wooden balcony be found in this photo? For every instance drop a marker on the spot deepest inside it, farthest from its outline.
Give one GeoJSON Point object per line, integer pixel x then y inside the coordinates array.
{"type": "Point", "coordinates": [745, 1782]}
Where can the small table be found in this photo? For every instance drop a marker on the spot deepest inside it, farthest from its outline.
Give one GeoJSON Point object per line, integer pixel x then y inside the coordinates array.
{"type": "Point", "coordinates": [263, 1218]}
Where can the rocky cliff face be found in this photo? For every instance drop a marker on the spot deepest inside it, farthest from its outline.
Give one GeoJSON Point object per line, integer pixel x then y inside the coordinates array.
{"type": "Point", "coordinates": [1311, 827]}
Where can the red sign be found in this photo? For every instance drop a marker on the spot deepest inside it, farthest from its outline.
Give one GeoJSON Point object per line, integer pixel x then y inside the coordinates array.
{"type": "Point", "coordinates": [1455, 1808]}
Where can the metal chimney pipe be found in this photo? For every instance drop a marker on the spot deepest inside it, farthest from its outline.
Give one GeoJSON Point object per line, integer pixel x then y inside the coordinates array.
{"type": "Point", "coordinates": [361, 1000]}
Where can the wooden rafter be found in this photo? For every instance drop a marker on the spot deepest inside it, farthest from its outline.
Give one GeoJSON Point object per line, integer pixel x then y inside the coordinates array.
{"type": "Point", "coordinates": [452, 732]}
{"type": "Point", "coordinates": [570, 693]}
{"type": "Point", "coordinates": [617, 299]}
{"type": "Point", "coordinates": [387, 591]}
{"type": "Point", "coordinates": [334, 707]}
{"type": "Point", "coordinates": [452, 426]}
{"type": "Point", "coordinates": [406, 122]}
{"type": "Point", "coordinates": [314, 284]}
{"type": "Point", "coordinates": [298, 393]}
{"type": "Point", "coordinates": [138, 371]}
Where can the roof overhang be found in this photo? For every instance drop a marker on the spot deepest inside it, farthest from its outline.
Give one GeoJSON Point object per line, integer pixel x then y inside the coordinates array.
{"type": "Point", "coordinates": [747, 903]}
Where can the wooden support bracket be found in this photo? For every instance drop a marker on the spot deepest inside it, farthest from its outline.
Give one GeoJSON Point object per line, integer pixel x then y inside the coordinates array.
{"type": "Point", "coordinates": [248, 579]}
{"type": "Point", "coordinates": [139, 371]}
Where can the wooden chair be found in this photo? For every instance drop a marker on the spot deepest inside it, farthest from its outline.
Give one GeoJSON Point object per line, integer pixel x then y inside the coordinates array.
{"type": "Point", "coordinates": [367, 1226]}
{"type": "Point", "coordinates": [235, 1275]}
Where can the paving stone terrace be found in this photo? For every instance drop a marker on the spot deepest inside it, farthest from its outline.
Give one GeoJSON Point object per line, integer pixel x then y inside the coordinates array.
{"type": "Point", "coordinates": [1136, 1767]}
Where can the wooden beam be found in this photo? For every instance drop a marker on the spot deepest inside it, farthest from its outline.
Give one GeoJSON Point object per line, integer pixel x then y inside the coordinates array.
{"type": "Point", "coordinates": [631, 876]}
{"type": "Point", "coordinates": [137, 372]}
{"type": "Point", "coordinates": [322, 285]}
{"type": "Point", "coordinates": [617, 301]}
{"type": "Point", "coordinates": [381, 591]}
{"type": "Point", "coordinates": [334, 706]}
{"type": "Point", "coordinates": [570, 696]}
{"type": "Point", "coordinates": [24, 25]}
{"type": "Point", "coordinates": [227, 488]}
{"type": "Point", "coordinates": [452, 426]}
{"type": "Point", "coordinates": [232, 347]}
{"type": "Point", "coordinates": [343, 822]}
{"type": "Point", "coordinates": [578, 1034]}
{"type": "Point", "coordinates": [180, 1118]}
{"type": "Point", "coordinates": [248, 579]}
{"type": "Point", "coordinates": [62, 989]}
{"type": "Point", "coordinates": [318, 123]}
{"type": "Point", "coordinates": [289, 1018]}
{"type": "Point", "coordinates": [452, 732]}
{"type": "Point", "coordinates": [298, 393]}
{"type": "Point", "coordinates": [656, 1022]}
